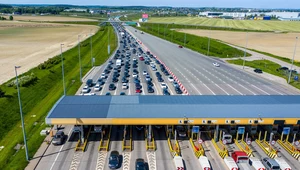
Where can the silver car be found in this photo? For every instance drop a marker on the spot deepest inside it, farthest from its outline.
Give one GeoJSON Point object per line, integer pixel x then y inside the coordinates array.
{"type": "Point", "coordinates": [59, 138]}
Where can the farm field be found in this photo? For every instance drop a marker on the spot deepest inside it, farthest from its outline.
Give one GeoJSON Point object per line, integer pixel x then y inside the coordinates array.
{"type": "Point", "coordinates": [281, 44]}
{"type": "Point", "coordinates": [29, 44]}
{"type": "Point", "coordinates": [49, 18]}
{"type": "Point", "coordinates": [290, 26]}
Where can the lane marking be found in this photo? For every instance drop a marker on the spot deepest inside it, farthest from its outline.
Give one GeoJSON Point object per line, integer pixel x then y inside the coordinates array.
{"type": "Point", "coordinates": [126, 160]}
{"type": "Point", "coordinates": [60, 150]}
{"type": "Point", "coordinates": [101, 160]}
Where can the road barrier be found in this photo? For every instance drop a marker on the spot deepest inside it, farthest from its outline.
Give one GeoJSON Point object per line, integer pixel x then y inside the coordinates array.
{"type": "Point", "coordinates": [222, 152]}
{"type": "Point", "coordinates": [105, 144]}
{"type": "Point", "coordinates": [265, 146]}
{"type": "Point", "coordinates": [174, 151]}
{"type": "Point", "coordinates": [124, 145]}
{"type": "Point", "coordinates": [198, 151]}
{"type": "Point", "coordinates": [243, 147]}
{"type": "Point", "coordinates": [290, 148]}
{"type": "Point", "coordinates": [150, 144]}
{"type": "Point", "coordinates": [81, 146]}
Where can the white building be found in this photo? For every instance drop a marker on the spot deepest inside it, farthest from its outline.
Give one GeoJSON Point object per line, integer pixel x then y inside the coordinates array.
{"type": "Point", "coordinates": [243, 14]}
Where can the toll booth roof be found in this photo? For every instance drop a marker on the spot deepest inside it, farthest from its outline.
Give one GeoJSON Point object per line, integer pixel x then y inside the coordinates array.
{"type": "Point", "coordinates": [203, 106]}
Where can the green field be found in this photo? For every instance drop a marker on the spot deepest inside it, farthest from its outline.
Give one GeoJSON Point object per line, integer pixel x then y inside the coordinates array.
{"type": "Point", "coordinates": [39, 96]}
{"type": "Point", "coordinates": [290, 26]}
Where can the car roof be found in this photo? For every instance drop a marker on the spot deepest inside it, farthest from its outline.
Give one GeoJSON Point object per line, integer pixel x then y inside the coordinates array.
{"type": "Point", "coordinates": [59, 132]}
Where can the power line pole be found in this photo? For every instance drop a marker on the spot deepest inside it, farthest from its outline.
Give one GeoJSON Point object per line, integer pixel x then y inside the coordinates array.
{"type": "Point", "coordinates": [245, 50]}
{"type": "Point", "coordinates": [79, 59]}
{"type": "Point", "coordinates": [293, 60]}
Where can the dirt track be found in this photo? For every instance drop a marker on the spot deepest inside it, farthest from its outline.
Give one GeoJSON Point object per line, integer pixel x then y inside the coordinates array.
{"type": "Point", "coordinates": [29, 44]}
{"type": "Point", "coordinates": [281, 44]}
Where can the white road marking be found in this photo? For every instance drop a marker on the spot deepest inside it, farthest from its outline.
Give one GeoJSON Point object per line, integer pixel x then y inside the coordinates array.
{"type": "Point", "coordinates": [60, 151]}
{"type": "Point", "coordinates": [76, 160]}
{"type": "Point", "coordinates": [191, 83]}
{"type": "Point", "coordinates": [260, 89]}
{"type": "Point", "coordinates": [126, 160]}
{"type": "Point", "coordinates": [101, 160]}
{"type": "Point", "coordinates": [151, 157]}
{"type": "Point", "coordinates": [273, 89]}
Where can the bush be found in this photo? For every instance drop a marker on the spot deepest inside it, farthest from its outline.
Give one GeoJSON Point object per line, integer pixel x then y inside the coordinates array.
{"type": "Point", "coordinates": [24, 81]}
{"type": "Point", "coordinates": [2, 93]}
{"type": "Point", "coordinates": [11, 18]}
{"type": "Point", "coordinates": [50, 63]}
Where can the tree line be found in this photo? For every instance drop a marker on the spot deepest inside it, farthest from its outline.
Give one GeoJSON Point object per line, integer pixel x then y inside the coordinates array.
{"type": "Point", "coordinates": [32, 10]}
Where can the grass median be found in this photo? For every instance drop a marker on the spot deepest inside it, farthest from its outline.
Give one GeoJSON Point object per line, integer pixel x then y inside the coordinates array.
{"type": "Point", "coordinates": [268, 67]}
{"type": "Point", "coordinates": [39, 97]}
{"type": "Point", "coordinates": [196, 43]}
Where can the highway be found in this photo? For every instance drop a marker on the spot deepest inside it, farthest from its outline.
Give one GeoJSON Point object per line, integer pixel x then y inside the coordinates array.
{"type": "Point", "coordinates": [197, 73]}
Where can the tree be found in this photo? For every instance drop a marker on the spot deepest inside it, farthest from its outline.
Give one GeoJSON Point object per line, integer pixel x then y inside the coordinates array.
{"type": "Point", "coordinates": [2, 93]}
{"type": "Point", "coordinates": [11, 18]}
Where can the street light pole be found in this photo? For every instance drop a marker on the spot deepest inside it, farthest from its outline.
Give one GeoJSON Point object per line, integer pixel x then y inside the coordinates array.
{"type": "Point", "coordinates": [293, 60]}
{"type": "Point", "coordinates": [91, 48]}
{"type": "Point", "coordinates": [184, 36]}
{"type": "Point", "coordinates": [79, 58]}
{"type": "Point", "coordinates": [165, 32]}
{"type": "Point", "coordinates": [245, 50]}
{"type": "Point", "coordinates": [21, 114]}
{"type": "Point", "coordinates": [62, 69]}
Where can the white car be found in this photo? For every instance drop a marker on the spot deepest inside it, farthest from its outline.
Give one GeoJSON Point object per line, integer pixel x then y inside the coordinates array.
{"type": "Point", "coordinates": [145, 72]}
{"type": "Point", "coordinates": [163, 86]}
{"type": "Point", "coordinates": [89, 94]}
{"type": "Point", "coordinates": [134, 75]}
{"type": "Point", "coordinates": [153, 69]}
{"type": "Point", "coordinates": [85, 89]}
{"type": "Point", "coordinates": [124, 86]}
{"type": "Point", "coordinates": [134, 59]}
{"type": "Point", "coordinates": [171, 79]}
{"type": "Point", "coordinates": [97, 87]}
{"type": "Point", "coordinates": [216, 64]}
{"type": "Point", "coordinates": [103, 76]}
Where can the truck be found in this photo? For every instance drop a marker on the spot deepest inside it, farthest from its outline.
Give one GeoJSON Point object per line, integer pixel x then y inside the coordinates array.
{"type": "Point", "coordinates": [226, 136]}
{"type": "Point", "coordinates": [256, 163]}
{"type": "Point", "coordinates": [230, 163]}
{"type": "Point", "coordinates": [178, 163]}
{"type": "Point", "coordinates": [118, 62]}
{"type": "Point", "coordinates": [204, 163]}
{"type": "Point", "coordinates": [241, 158]}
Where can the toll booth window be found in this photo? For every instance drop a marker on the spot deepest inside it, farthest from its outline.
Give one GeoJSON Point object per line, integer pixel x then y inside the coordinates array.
{"type": "Point", "coordinates": [278, 122]}
{"type": "Point", "coordinates": [227, 137]}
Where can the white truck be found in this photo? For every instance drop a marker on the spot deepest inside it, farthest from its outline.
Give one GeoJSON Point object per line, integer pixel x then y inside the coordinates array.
{"type": "Point", "coordinates": [256, 163]}
{"type": "Point", "coordinates": [283, 164]}
{"type": "Point", "coordinates": [178, 163]}
{"type": "Point", "coordinates": [230, 163]}
{"type": "Point", "coordinates": [204, 163]}
{"type": "Point", "coordinates": [118, 62]}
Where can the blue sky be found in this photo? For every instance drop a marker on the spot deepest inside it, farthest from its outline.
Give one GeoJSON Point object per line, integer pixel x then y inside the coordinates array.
{"type": "Point", "coordinates": [175, 3]}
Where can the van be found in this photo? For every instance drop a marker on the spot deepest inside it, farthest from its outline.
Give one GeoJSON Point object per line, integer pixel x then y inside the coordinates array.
{"type": "Point", "coordinates": [270, 164]}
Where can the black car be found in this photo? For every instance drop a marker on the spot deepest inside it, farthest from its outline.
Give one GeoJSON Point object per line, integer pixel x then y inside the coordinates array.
{"type": "Point", "coordinates": [112, 87]}
{"type": "Point", "coordinates": [150, 89]}
{"type": "Point", "coordinates": [149, 83]}
{"type": "Point", "coordinates": [159, 79]}
{"type": "Point", "coordinates": [124, 80]}
{"type": "Point", "coordinates": [89, 82]}
{"type": "Point", "coordinates": [140, 164]}
{"type": "Point", "coordinates": [114, 161]}
{"type": "Point", "coordinates": [178, 90]}
{"type": "Point", "coordinates": [166, 73]}
{"type": "Point", "coordinates": [115, 79]}
{"type": "Point", "coordinates": [157, 74]}
{"type": "Point", "coordinates": [134, 65]}
{"type": "Point", "coordinates": [166, 92]}
{"type": "Point", "coordinates": [138, 85]}
{"type": "Point", "coordinates": [257, 70]}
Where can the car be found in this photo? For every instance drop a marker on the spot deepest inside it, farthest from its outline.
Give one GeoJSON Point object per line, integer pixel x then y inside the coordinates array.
{"type": "Point", "coordinates": [140, 164]}
{"type": "Point", "coordinates": [163, 86]}
{"type": "Point", "coordinates": [112, 87]}
{"type": "Point", "coordinates": [180, 46]}
{"type": "Point", "coordinates": [103, 75]}
{"type": "Point", "coordinates": [145, 72]}
{"type": "Point", "coordinates": [142, 32]}
{"type": "Point", "coordinates": [141, 58]}
{"type": "Point", "coordinates": [134, 59]}
{"type": "Point", "coordinates": [138, 90]}
{"type": "Point", "coordinates": [124, 86]}
{"type": "Point", "coordinates": [124, 80]}
{"type": "Point", "coordinates": [150, 89]}
{"type": "Point", "coordinates": [166, 92]}
{"type": "Point", "coordinates": [157, 74]}
{"type": "Point", "coordinates": [100, 81]}
{"type": "Point", "coordinates": [115, 79]}
{"type": "Point", "coordinates": [257, 70]}
{"type": "Point", "coordinates": [122, 94]}
{"type": "Point", "coordinates": [282, 68]}
{"type": "Point", "coordinates": [107, 94]}
{"type": "Point", "coordinates": [175, 84]}
{"type": "Point", "coordinates": [135, 30]}
{"type": "Point", "coordinates": [135, 71]}
{"type": "Point", "coordinates": [149, 83]}
{"type": "Point", "coordinates": [159, 79]}
{"type": "Point", "coordinates": [178, 90]}
{"type": "Point", "coordinates": [171, 79]}
{"type": "Point", "coordinates": [216, 64]}
{"type": "Point", "coordinates": [134, 75]}
{"type": "Point", "coordinates": [97, 87]}
{"type": "Point", "coordinates": [148, 78]}
{"type": "Point", "coordinates": [153, 68]}
{"type": "Point", "coordinates": [138, 85]}
{"type": "Point", "coordinates": [58, 138]}
{"type": "Point", "coordinates": [114, 161]}
{"type": "Point", "coordinates": [89, 82]}
{"type": "Point", "coordinates": [86, 89]}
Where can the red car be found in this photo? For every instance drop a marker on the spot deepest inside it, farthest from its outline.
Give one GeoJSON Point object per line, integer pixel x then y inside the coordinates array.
{"type": "Point", "coordinates": [180, 46]}
{"type": "Point", "coordinates": [138, 90]}
{"type": "Point", "coordinates": [142, 58]}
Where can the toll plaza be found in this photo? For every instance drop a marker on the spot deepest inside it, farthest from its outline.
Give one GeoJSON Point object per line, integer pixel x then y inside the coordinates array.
{"type": "Point", "coordinates": [230, 123]}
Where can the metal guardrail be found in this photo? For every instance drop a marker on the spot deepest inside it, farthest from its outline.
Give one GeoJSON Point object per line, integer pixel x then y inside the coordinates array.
{"type": "Point", "coordinates": [222, 152]}
{"type": "Point", "coordinates": [101, 144]}
{"type": "Point", "coordinates": [290, 148]}
{"type": "Point", "coordinates": [244, 147]}
{"type": "Point", "coordinates": [197, 151]}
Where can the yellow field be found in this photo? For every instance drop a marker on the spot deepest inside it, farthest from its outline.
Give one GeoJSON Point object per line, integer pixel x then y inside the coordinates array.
{"type": "Point", "coordinates": [293, 26]}
{"type": "Point", "coordinates": [29, 44]}
{"type": "Point", "coordinates": [49, 18]}
{"type": "Point", "coordinates": [278, 44]}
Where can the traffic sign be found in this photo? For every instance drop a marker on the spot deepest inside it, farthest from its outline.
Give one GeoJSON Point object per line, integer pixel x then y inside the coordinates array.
{"type": "Point", "coordinates": [296, 78]}
{"type": "Point", "coordinates": [224, 141]}
{"type": "Point", "coordinates": [200, 141]}
{"type": "Point", "coordinates": [286, 130]}
{"type": "Point", "coordinates": [195, 129]}
{"type": "Point", "coordinates": [273, 142]}
{"type": "Point", "coordinates": [241, 130]}
{"type": "Point", "coordinates": [297, 143]}
{"type": "Point", "coordinates": [248, 142]}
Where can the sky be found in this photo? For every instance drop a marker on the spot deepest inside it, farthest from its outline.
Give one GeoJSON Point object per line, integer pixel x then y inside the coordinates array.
{"type": "Point", "coordinates": [295, 4]}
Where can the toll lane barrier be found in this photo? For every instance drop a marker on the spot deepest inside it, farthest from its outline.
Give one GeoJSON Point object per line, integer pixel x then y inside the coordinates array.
{"type": "Point", "coordinates": [105, 144]}
{"type": "Point", "coordinates": [243, 147]}
{"type": "Point", "coordinates": [81, 146]}
{"type": "Point", "coordinates": [289, 148]}
{"type": "Point", "coordinates": [222, 153]}
{"type": "Point", "coordinates": [172, 151]}
{"type": "Point", "coordinates": [198, 151]}
{"type": "Point", "coordinates": [272, 153]}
